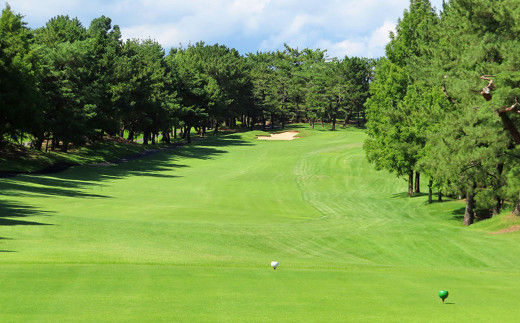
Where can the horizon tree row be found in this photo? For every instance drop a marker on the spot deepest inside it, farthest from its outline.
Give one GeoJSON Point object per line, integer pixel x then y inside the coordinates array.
{"type": "Point", "coordinates": [444, 103]}
{"type": "Point", "coordinates": [65, 84]}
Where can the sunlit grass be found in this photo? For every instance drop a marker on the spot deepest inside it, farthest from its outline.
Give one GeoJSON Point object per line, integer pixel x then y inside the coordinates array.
{"type": "Point", "coordinates": [188, 235]}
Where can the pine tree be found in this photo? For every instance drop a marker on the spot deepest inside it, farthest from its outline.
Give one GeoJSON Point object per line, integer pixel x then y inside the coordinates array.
{"type": "Point", "coordinates": [395, 139]}
{"type": "Point", "coordinates": [19, 95]}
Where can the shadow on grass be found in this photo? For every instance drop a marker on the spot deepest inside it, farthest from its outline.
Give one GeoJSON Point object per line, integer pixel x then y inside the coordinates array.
{"type": "Point", "coordinates": [405, 195]}
{"type": "Point", "coordinates": [10, 210]}
{"type": "Point", "coordinates": [458, 214]}
{"type": "Point", "coordinates": [218, 141]}
{"type": "Point", "coordinates": [278, 128]}
{"type": "Point", "coordinates": [75, 180]}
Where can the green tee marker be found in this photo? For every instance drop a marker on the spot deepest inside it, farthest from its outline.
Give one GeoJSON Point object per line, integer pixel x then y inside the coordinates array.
{"type": "Point", "coordinates": [443, 294]}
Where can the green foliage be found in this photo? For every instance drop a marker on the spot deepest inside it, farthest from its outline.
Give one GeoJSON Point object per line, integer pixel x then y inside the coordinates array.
{"type": "Point", "coordinates": [456, 137]}
{"type": "Point", "coordinates": [143, 93]}
{"type": "Point", "coordinates": [73, 85]}
{"type": "Point", "coordinates": [402, 106]}
{"type": "Point", "coordinates": [67, 71]}
{"type": "Point", "coordinates": [19, 65]}
{"type": "Point", "coordinates": [106, 48]}
{"type": "Point", "coordinates": [303, 85]}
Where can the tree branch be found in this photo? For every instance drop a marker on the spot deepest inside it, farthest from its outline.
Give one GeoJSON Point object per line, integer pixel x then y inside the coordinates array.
{"type": "Point", "coordinates": [514, 107]}
{"type": "Point", "coordinates": [508, 124]}
{"type": "Point", "coordinates": [486, 91]}
{"type": "Point", "coordinates": [448, 96]}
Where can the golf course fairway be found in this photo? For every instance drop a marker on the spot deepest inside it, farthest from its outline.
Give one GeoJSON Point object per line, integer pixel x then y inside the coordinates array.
{"type": "Point", "coordinates": [188, 235]}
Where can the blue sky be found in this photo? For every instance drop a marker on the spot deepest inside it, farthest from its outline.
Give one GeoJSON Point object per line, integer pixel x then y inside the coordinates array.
{"type": "Point", "coordinates": [348, 27]}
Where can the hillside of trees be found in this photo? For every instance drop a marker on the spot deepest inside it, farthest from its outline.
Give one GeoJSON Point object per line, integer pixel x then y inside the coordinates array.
{"type": "Point", "coordinates": [444, 103]}
{"type": "Point", "coordinates": [64, 84]}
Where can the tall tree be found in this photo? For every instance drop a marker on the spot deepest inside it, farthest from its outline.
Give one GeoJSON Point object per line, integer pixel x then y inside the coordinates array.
{"type": "Point", "coordinates": [142, 92]}
{"type": "Point", "coordinates": [477, 55]}
{"type": "Point", "coordinates": [105, 42]}
{"type": "Point", "coordinates": [19, 97]}
{"type": "Point", "coordinates": [395, 141]}
{"type": "Point", "coordinates": [70, 95]}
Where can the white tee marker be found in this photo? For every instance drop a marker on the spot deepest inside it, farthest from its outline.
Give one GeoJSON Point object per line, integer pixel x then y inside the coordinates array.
{"type": "Point", "coordinates": [274, 264]}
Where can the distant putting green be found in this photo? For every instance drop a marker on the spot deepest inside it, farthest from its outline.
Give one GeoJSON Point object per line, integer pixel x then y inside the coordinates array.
{"type": "Point", "coordinates": [189, 235]}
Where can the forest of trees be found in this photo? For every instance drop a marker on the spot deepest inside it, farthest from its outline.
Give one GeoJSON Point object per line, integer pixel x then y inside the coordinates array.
{"type": "Point", "coordinates": [64, 84]}
{"type": "Point", "coordinates": [444, 103]}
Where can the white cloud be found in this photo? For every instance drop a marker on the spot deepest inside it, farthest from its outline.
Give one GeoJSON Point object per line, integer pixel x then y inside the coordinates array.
{"type": "Point", "coordinates": [381, 35]}
{"type": "Point", "coordinates": [164, 34]}
{"type": "Point", "coordinates": [350, 27]}
{"type": "Point", "coordinates": [369, 46]}
{"type": "Point", "coordinates": [247, 7]}
{"type": "Point", "coordinates": [298, 31]}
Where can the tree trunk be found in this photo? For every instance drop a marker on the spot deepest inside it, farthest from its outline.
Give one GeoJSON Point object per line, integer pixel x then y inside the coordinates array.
{"type": "Point", "coordinates": [188, 134]}
{"type": "Point", "coordinates": [347, 119]}
{"type": "Point", "coordinates": [263, 124]}
{"type": "Point", "coordinates": [516, 210]}
{"type": "Point", "coordinates": [174, 132]}
{"type": "Point", "coordinates": [272, 121]}
{"type": "Point", "coordinates": [131, 135]}
{"type": "Point", "coordinates": [497, 207]}
{"type": "Point", "coordinates": [439, 198]}
{"type": "Point", "coordinates": [166, 137]}
{"type": "Point", "coordinates": [469, 214]}
{"type": "Point", "coordinates": [510, 126]}
{"type": "Point", "coordinates": [410, 183]}
{"type": "Point", "coordinates": [38, 143]}
{"type": "Point", "coordinates": [65, 147]}
{"type": "Point", "coordinates": [499, 201]}
{"type": "Point", "coordinates": [417, 182]}
{"type": "Point", "coordinates": [47, 144]}
{"type": "Point", "coordinates": [430, 192]}
{"type": "Point", "coordinates": [334, 122]}
{"type": "Point", "coordinates": [145, 137]}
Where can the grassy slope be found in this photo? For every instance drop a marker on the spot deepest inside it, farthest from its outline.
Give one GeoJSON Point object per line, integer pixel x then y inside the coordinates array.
{"type": "Point", "coordinates": [188, 235]}
{"type": "Point", "coordinates": [22, 159]}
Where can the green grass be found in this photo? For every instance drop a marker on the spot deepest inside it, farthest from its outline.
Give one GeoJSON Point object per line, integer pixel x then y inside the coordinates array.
{"type": "Point", "coordinates": [188, 235]}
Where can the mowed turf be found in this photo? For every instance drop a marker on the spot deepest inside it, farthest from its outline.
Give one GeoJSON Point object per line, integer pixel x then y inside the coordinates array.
{"type": "Point", "coordinates": [188, 235]}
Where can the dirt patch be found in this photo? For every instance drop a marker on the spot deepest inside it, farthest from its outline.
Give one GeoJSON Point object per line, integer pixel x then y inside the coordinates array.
{"type": "Point", "coordinates": [507, 230]}
{"type": "Point", "coordinates": [287, 135]}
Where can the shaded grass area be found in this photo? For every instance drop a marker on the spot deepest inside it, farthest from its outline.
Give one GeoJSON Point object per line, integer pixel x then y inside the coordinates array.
{"type": "Point", "coordinates": [22, 159]}
{"type": "Point", "coordinates": [188, 235]}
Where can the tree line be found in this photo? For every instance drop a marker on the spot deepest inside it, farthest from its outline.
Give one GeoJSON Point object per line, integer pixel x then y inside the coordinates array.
{"type": "Point", "coordinates": [444, 103]}
{"type": "Point", "coordinates": [65, 84]}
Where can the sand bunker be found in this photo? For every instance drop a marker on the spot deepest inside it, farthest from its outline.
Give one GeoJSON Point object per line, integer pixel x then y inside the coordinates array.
{"type": "Point", "coordinates": [288, 135]}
